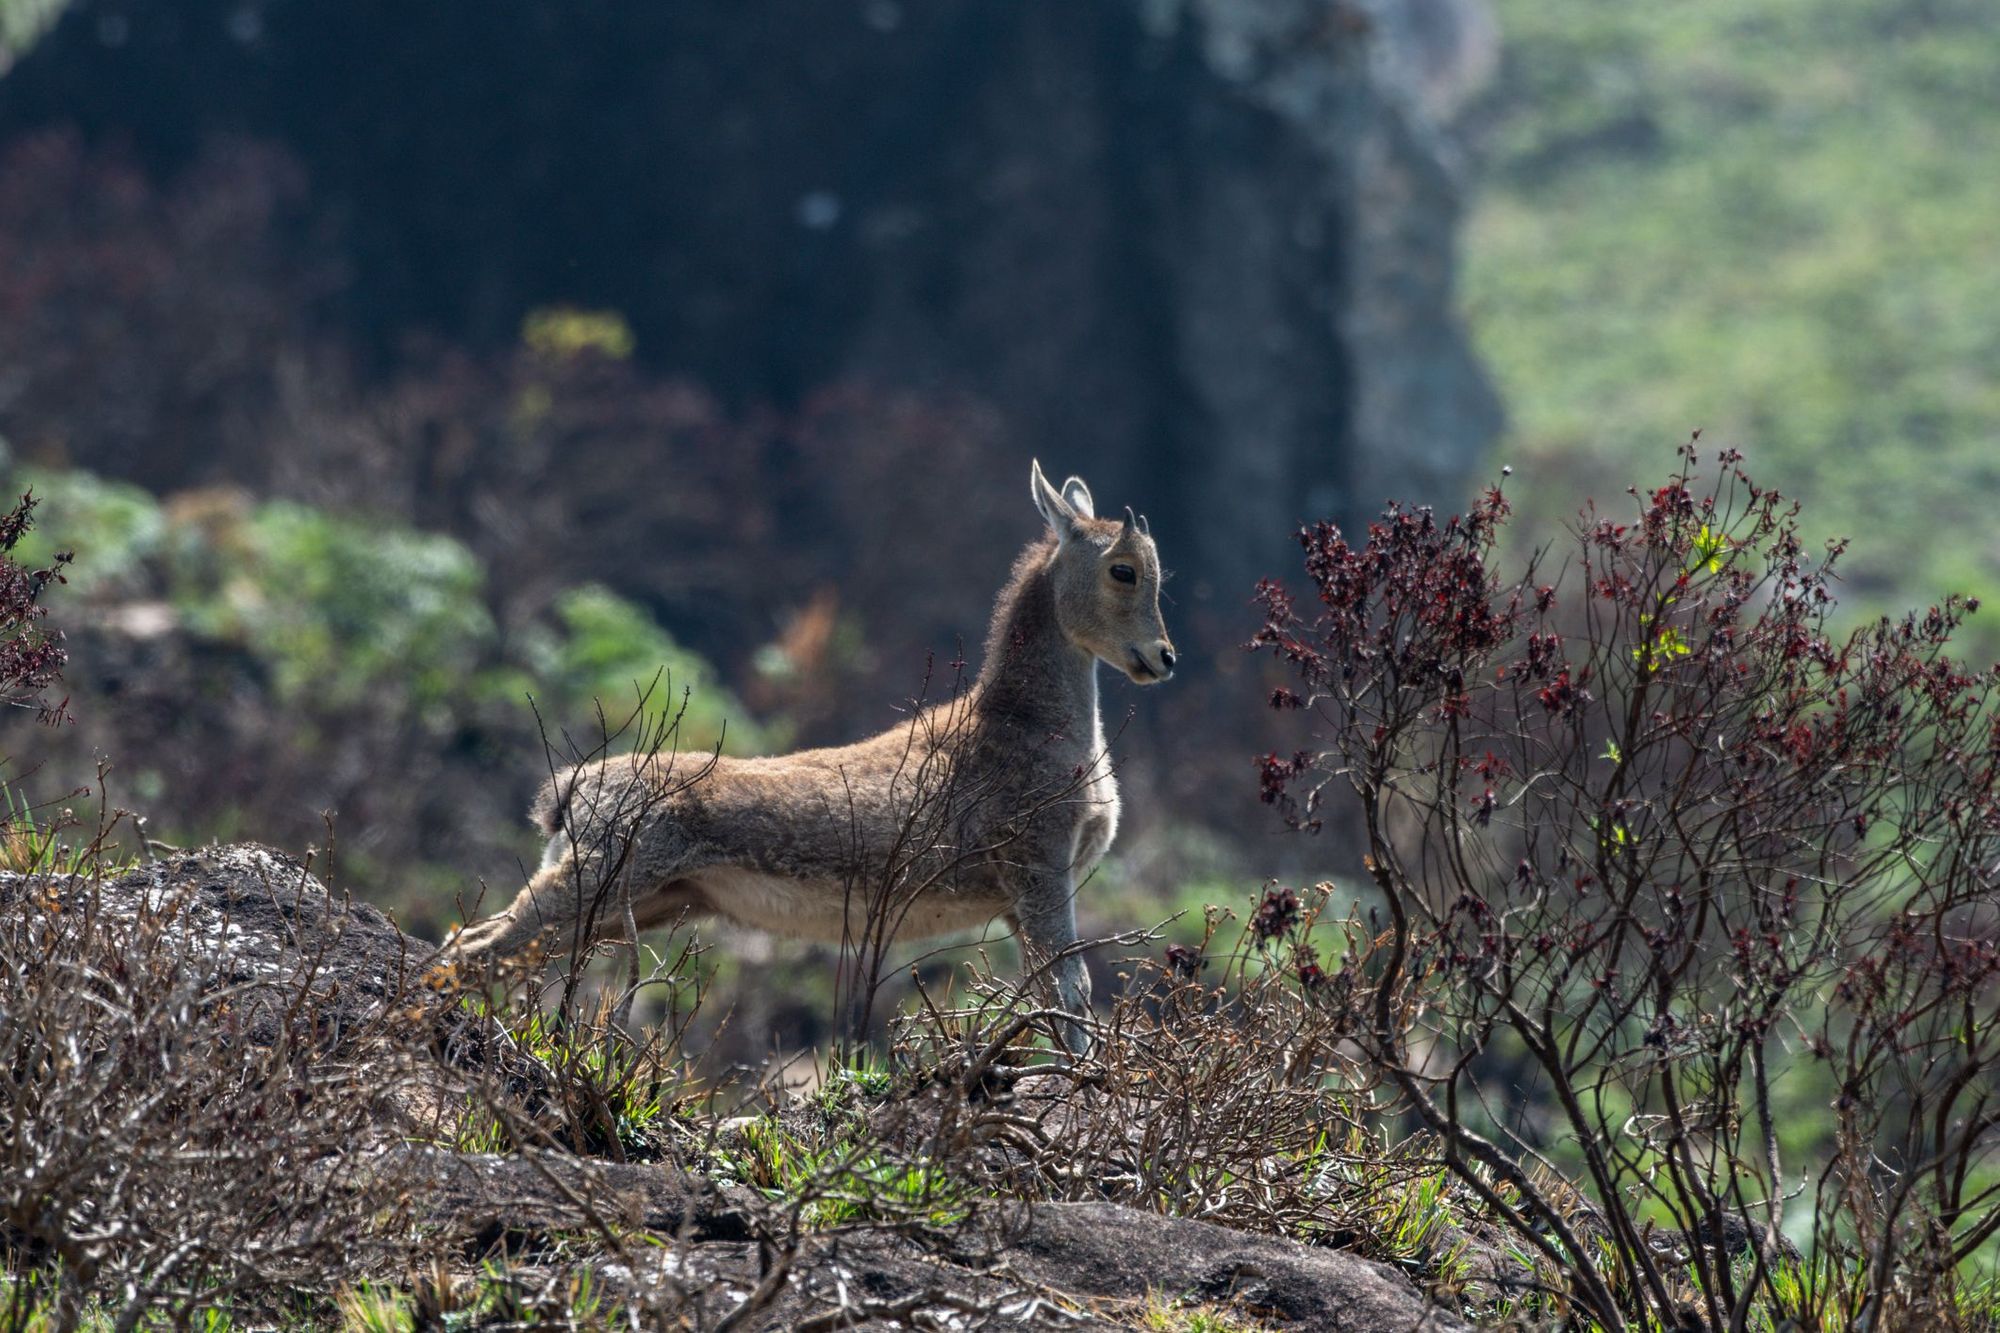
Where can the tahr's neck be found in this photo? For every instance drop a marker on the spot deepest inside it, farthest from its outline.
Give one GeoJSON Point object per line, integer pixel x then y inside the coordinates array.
{"type": "Point", "coordinates": [1032, 671]}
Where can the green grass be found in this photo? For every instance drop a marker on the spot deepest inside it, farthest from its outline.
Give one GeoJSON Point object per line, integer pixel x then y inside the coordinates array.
{"type": "Point", "coordinates": [494, 1296]}
{"type": "Point", "coordinates": [30, 1302]}
{"type": "Point", "coordinates": [375, 1309]}
{"type": "Point", "coordinates": [46, 840]}
{"type": "Point", "coordinates": [836, 1179]}
{"type": "Point", "coordinates": [613, 1095]}
{"type": "Point", "coordinates": [1181, 1314]}
{"type": "Point", "coordinates": [1772, 222]}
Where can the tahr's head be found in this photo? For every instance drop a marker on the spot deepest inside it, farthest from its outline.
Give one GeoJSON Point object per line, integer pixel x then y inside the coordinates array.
{"type": "Point", "coordinates": [1107, 582]}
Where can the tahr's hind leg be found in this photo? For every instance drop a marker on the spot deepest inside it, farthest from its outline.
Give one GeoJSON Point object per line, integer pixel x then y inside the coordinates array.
{"type": "Point", "coordinates": [568, 906]}
{"type": "Point", "coordinates": [552, 911]}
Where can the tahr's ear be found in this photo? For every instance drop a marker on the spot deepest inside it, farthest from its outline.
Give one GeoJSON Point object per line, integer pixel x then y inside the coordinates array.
{"type": "Point", "coordinates": [1057, 511]}
{"type": "Point", "coordinates": [1078, 496]}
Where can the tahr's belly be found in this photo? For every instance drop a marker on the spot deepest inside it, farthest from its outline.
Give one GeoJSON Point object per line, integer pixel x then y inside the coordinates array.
{"type": "Point", "coordinates": [834, 910]}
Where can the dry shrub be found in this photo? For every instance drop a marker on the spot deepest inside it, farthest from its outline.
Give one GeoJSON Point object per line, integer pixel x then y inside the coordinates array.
{"type": "Point", "coordinates": [226, 1091]}
{"type": "Point", "coordinates": [180, 1129]}
{"type": "Point", "coordinates": [1222, 1084]}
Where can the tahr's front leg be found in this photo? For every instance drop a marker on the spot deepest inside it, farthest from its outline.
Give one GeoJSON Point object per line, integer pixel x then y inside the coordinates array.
{"type": "Point", "coordinates": [1092, 841]}
{"type": "Point", "coordinates": [1045, 923]}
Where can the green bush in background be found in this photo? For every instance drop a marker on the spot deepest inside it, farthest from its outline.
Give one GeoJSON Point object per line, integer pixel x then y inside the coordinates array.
{"type": "Point", "coordinates": [603, 649]}
{"type": "Point", "coordinates": [123, 526]}
{"type": "Point", "coordinates": [338, 607]}
{"type": "Point", "coordinates": [345, 613]}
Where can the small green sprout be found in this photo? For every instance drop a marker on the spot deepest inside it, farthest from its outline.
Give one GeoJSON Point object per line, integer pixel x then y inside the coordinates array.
{"type": "Point", "coordinates": [1709, 548]}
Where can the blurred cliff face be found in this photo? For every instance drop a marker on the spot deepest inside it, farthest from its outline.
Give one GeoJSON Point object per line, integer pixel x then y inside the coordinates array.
{"type": "Point", "coordinates": [857, 262]}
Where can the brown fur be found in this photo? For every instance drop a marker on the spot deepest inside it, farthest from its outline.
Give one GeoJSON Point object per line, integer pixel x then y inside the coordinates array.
{"type": "Point", "coordinates": [994, 804]}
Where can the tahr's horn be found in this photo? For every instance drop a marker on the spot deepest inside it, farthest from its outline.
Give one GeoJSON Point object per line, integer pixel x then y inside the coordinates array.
{"type": "Point", "coordinates": [1144, 526]}
{"type": "Point", "coordinates": [1130, 521]}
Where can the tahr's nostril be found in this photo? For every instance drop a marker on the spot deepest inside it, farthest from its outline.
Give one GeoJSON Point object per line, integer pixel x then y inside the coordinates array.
{"type": "Point", "coordinates": [1167, 658]}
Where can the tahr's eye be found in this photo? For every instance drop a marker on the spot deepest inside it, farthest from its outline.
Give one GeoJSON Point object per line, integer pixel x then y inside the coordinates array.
{"type": "Point", "coordinates": [1124, 574]}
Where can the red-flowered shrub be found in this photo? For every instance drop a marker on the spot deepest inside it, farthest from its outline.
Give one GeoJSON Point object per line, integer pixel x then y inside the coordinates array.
{"type": "Point", "coordinates": [31, 654]}
{"type": "Point", "coordinates": [1681, 891]}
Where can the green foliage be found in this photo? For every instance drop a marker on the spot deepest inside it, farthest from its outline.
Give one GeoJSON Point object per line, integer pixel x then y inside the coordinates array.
{"type": "Point", "coordinates": [337, 605]}
{"type": "Point", "coordinates": [833, 1167]}
{"type": "Point", "coordinates": [604, 648]}
{"type": "Point", "coordinates": [1181, 1314]}
{"type": "Point", "coordinates": [564, 331]}
{"type": "Point", "coordinates": [45, 841]}
{"type": "Point", "coordinates": [867, 1074]}
{"type": "Point", "coordinates": [497, 1296]}
{"type": "Point", "coordinates": [612, 1094]}
{"type": "Point", "coordinates": [345, 612]}
{"type": "Point", "coordinates": [21, 22]}
{"type": "Point", "coordinates": [120, 526]}
{"type": "Point", "coordinates": [368, 1308]}
{"type": "Point", "coordinates": [30, 1301]}
{"type": "Point", "coordinates": [840, 1176]}
{"type": "Point", "coordinates": [503, 1296]}
{"type": "Point", "coordinates": [1771, 222]}
{"type": "Point", "coordinates": [1415, 1217]}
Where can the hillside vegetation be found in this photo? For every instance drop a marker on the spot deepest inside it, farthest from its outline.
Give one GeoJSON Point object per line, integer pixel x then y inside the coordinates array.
{"type": "Point", "coordinates": [1678, 961]}
{"type": "Point", "coordinates": [1773, 223]}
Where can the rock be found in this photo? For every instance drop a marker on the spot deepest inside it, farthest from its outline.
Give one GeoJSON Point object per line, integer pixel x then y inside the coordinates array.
{"type": "Point", "coordinates": [493, 1198]}
{"type": "Point", "coordinates": [259, 918]}
{"type": "Point", "coordinates": [280, 959]}
{"type": "Point", "coordinates": [1043, 1267]}
{"type": "Point", "coordinates": [1109, 1250]}
{"type": "Point", "coordinates": [1208, 237]}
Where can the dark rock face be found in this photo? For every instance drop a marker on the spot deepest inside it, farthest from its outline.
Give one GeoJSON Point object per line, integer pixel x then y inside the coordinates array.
{"type": "Point", "coordinates": [1198, 249]}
